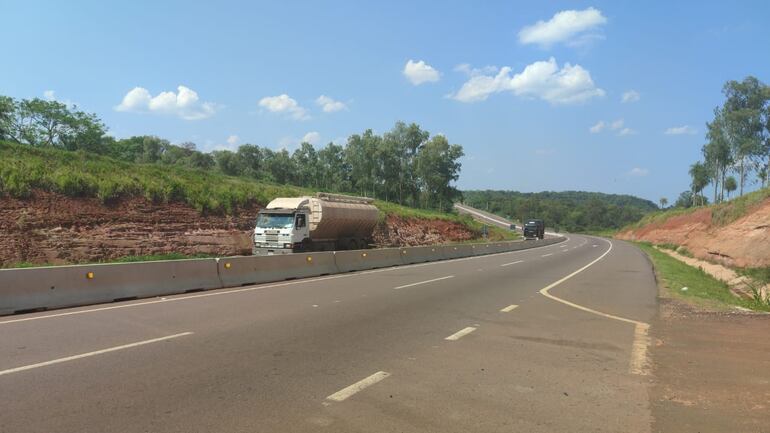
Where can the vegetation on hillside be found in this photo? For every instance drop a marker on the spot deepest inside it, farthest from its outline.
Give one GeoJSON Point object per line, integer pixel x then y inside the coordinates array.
{"type": "Point", "coordinates": [404, 165]}
{"type": "Point", "coordinates": [721, 214]}
{"type": "Point", "coordinates": [572, 211]}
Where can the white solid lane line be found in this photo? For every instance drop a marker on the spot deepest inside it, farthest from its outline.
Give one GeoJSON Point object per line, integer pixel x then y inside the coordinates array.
{"type": "Point", "coordinates": [509, 308]}
{"type": "Point", "coordinates": [512, 263]}
{"type": "Point", "coordinates": [460, 334]}
{"type": "Point", "coordinates": [546, 255]}
{"type": "Point", "coordinates": [86, 355]}
{"type": "Point", "coordinates": [424, 282]}
{"type": "Point", "coordinates": [362, 384]}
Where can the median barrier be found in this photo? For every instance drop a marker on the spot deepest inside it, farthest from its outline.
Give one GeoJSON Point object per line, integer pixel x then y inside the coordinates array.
{"type": "Point", "coordinates": [64, 286]}
{"type": "Point", "coordinates": [361, 260]}
{"type": "Point", "coordinates": [457, 251]}
{"type": "Point", "coordinates": [424, 254]}
{"type": "Point", "coordinates": [246, 270]}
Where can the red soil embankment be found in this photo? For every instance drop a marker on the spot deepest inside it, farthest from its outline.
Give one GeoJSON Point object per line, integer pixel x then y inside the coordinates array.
{"type": "Point", "coordinates": [744, 242]}
{"type": "Point", "coordinates": [50, 228]}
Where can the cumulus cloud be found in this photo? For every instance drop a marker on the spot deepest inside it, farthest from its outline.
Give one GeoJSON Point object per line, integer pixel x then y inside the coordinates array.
{"type": "Point", "coordinates": [681, 130]}
{"type": "Point", "coordinates": [543, 80]}
{"type": "Point", "coordinates": [284, 104]}
{"type": "Point", "coordinates": [599, 127]}
{"type": "Point", "coordinates": [626, 131]}
{"type": "Point", "coordinates": [312, 137]}
{"type": "Point", "coordinates": [49, 95]}
{"type": "Point", "coordinates": [638, 172]}
{"type": "Point", "coordinates": [630, 96]}
{"type": "Point", "coordinates": [571, 27]}
{"type": "Point", "coordinates": [420, 72]}
{"type": "Point", "coordinates": [466, 69]}
{"type": "Point", "coordinates": [185, 103]}
{"type": "Point", "coordinates": [233, 140]}
{"type": "Point", "coordinates": [329, 105]}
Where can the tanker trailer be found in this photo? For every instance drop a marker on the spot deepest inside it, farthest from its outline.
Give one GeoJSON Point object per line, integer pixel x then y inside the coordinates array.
{"type": "Point", "coordinates": [325, 222]}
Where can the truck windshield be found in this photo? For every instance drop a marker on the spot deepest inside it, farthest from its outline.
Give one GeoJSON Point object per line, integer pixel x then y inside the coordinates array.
{"type": "Point", "coordinates": [275, 221]}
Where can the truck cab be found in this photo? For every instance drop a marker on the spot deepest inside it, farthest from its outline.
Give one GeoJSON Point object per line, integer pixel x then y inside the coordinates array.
{"type": "Point", "coordinates": [534, 229]}
{"type": "Point", "coordinates": [280, 231]}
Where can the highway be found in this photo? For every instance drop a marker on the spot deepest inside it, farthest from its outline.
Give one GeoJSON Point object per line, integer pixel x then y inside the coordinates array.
{"type": "Point", "coordinates": [541, 340]}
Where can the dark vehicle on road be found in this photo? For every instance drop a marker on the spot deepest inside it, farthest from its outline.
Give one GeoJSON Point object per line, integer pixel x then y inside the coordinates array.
{"type": "Point", "coordinates": [534, 229]}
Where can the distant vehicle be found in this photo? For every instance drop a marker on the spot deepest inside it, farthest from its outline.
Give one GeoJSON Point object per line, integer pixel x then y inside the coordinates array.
{"type": "Point", "coordinates": [325, 222]}
{"type": "Point", "coordinates": [534, 229]}
{"type": "Point", "coordinates": [512, 227]}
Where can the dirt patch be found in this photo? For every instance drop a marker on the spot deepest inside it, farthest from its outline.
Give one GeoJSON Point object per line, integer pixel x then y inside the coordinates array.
{"type": "Point", "coordinates": [398, 231]}
{"type": "Point", "coordinates": [55, 229]}
{"type": "Point", "coordinates": [712, 370]}
{"type": "Point", "coordinates": [742, 243]}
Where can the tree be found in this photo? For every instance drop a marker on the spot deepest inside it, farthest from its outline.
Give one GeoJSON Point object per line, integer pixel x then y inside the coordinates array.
{"type": "Point", "coordinates": [7, 112]}
{"type": "Point", "coordinates": [700, 178]}
{"type": "Point", "coordinates": [717, 152]}
{"type": "Point", "coordinates": [305, 161]}
{"type": "Point", "coordinates": [251, 161]}
{"type": "Point", "coordinates": [685, 200]}
{"type": "Point", "coordinates": [663, 202]}
{"type": "Point", "coordinates": [227, 162]}
{"type": "Point", "coordinates": [743, 110]}
{"type": "Point", "coordinates": [333, 170]}
{"type": "Point", "coordinates": [437, 167]}
{"type": "Point", "coordinates": [730, 185]}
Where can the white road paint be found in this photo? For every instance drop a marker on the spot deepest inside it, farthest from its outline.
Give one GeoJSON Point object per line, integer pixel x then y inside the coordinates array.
{"type": "Point", "coordinates": [94, 353]}
{"type": "Point", "coordinates": [546, 255]}
{"type": "Point", "coordinates": [509, 308]}
{"type": "Point", "coordinates": [512, 263]}
{"type": "Point", "coordinates": [220, 292]}
{"type": "Point", "coordinates": [638, 362]}
{"type": "Point", "coordinates": [359, 386]}
{"type": "Point", "coordinates": [460, 334]}
{"type": "Point", "coordinates": [424, 282]}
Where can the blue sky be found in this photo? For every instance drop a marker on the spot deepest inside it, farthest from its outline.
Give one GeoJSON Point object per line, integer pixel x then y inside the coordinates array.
{"type": "Point", "coordinates": [526, 127]}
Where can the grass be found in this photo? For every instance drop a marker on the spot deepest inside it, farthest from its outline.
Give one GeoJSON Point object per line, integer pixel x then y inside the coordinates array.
{"type": "Point", "coordinates": [760, 275]}
{"type": "Point", "coordinates": [701, 287]}
{"type": "Point", "coordinates": [79, 174]}
{"type": "Point", "coordinates": [721, 213]}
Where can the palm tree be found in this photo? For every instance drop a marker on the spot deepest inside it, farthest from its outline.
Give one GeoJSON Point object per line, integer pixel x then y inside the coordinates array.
{"type": "Point", "coordinates": [663, 202]}
{"type": "Point", "coordinates": [700, 178]}
{"type": "Point", "coordinates": [730, 185]}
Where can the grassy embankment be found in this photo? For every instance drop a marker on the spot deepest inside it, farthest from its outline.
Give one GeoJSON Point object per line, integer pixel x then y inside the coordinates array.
{"type": "Point", "coordinates": [24, 169]}
{"type": "Point", "coordinates": [702, 288]}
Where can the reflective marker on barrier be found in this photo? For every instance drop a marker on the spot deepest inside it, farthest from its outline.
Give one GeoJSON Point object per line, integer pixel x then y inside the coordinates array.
{"type": "Point", "coordinates": [228, 265]}
{"type": "Point", "coordinates": [309, 258]}
{"type": "Point", "coordinates": [363, 254]}
{"type": "Point", "coordinates": [90, 275]}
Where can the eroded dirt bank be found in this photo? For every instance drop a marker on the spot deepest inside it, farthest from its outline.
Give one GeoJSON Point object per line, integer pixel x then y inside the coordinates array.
{"type": "Point", "coordinates": [51, 228]}
{"type": "Point", "coordinates": [743, 243]}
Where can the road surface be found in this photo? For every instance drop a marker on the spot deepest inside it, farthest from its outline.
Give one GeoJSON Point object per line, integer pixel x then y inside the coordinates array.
{"type": "Point", "coordinates": [542, 340]}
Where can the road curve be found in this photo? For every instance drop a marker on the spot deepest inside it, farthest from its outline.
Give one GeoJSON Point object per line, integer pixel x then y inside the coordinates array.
{"type": "Point", "coordinates": [462, 345]}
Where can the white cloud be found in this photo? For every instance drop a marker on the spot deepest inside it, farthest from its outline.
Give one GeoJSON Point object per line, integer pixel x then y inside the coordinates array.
{"type": "Point", "coordinates": [638, 172]}
{"type": "Point", "coordinates": [49, 95]}
{"type": "Point", "coordinates": [571, 26]}
{"type": "Point", "coordinates": [184, 104]}
{"type": "Point", "coordinates": [599, 127]}
{"type": "Point", "coordinates": [543, 79]}
{"type": "Point", "coordinates": [420, 72]}
{"type": "Point", "coordinates": [630, 96]}
{"type": "Point", "coordinates": [284, 104]}
{"type": "Point", "coordinates": [617, 124]}
{"type": "Point", "coordinates": [312, 137]}
{"type": "Point", "coordinates": [626, 131]}
{"type": "Point", "coordinates": [466, 69]}
{"type": "Point", "coordinates": [233, 140]}
{"type": "Point", "coordinates": [681, 130]}
{"type": "Point", "coordinates": [329, 105]}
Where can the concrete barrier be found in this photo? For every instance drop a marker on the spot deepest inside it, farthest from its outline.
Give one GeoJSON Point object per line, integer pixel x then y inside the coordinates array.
{"type": "Point", "coordinates": [65, 286]}
{"type": "Point", "coordinates": [245, 270]}
{"type": "Point", "coordinates": [361, 260]}
{"type": "Point", "coordinates": [424, 254]}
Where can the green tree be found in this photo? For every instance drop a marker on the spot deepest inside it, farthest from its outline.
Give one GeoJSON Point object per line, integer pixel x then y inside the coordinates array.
{"type": "Point", "coordinates": [663, 202]}
{"type": "Point", "coordinates": [251, 160]}
{"type": "Point", "coordinates": [700, 178]}
{"type": "Point", "coordinates": [280, 166]}
{"type": "Point", "coordinates": [730, 185]}
{"type": "Point", "coordinates": [437, 167]}
{"type": "Point", "coordinates": [305, 161]}
{"type": "Point", "coordinates": [333, 170]}
{"type": "Point", "coordinates": [7, 113]}
{"type": "Point", "coordinates": [227, 162]}
{"type": "Point", "coordinates": [359, 154]}
{"type": "Point", "coordinates": [717, 152]}
{"type": "Point", "coordinates": [743, 110]}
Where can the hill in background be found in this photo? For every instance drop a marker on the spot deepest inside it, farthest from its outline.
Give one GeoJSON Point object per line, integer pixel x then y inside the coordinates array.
{"type": "Point", "coordinates": [573, 211]}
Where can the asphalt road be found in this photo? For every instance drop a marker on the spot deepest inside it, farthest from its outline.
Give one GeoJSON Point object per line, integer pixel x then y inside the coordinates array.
{"type": "Point", "coordinates": [479, 344]}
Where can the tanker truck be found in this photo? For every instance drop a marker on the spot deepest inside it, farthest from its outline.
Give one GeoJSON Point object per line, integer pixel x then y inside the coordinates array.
{"type": "Point", "coordinates": [325, 222]}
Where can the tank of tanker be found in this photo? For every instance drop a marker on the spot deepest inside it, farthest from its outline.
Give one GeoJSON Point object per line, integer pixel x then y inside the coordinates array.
{"type": "Point", "coordinates": [336, 216]}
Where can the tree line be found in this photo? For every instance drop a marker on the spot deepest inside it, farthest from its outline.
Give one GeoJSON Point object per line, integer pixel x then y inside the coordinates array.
{"type": "Point", "coordinates": [738, 144]}
{"type": "Point", "coordinates": [572, 211]}
{"type": "Point", "coordinates": [404, 165]}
